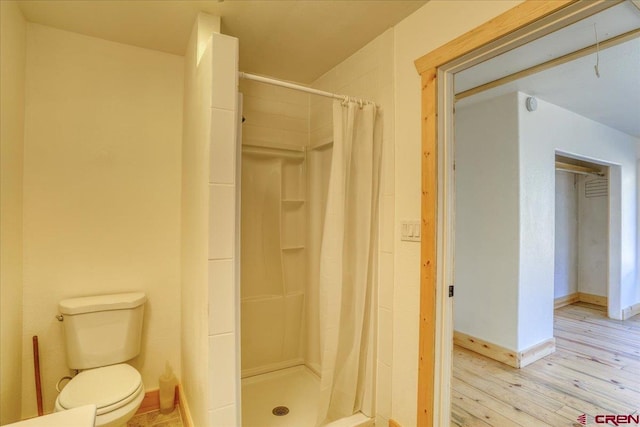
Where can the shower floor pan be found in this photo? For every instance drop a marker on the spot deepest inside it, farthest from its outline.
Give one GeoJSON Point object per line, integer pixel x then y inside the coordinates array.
{"type": "Point", "coordinates": [297, 389]}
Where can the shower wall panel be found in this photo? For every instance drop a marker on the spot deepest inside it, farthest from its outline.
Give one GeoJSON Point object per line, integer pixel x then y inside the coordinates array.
{"type": "Point", "coordinates": [275, 116]}
{"type": "Point", "coordinates": [273, 240]}
{"type": "Point", "coordinates": [319, 169]}
{"type": "Point", "coordinates": [273, 263]}
{"type": "Point", "coordinates": [261, 255]}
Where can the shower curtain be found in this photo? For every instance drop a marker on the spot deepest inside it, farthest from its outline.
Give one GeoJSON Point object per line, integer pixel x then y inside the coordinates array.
{"type": "Point", "coordinates": [348, 258]}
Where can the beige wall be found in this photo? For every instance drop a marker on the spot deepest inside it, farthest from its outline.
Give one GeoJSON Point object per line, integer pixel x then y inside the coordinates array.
{"type": "Point", "coordinates": [368, 74]}
{"type": "Point", "coordinates": [101, 192]}
{"type": "Point", "coordinates": [12, 70]}
{"type": "Point", "coordinates": [431, 26]}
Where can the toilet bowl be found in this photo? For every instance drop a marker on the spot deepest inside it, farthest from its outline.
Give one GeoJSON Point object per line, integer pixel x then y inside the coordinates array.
{"type": "Point", "coordinates": [116, 390]}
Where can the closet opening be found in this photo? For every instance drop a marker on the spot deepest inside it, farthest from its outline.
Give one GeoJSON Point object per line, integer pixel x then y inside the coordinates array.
{"type": "Point", "coordinates": [582, 205]}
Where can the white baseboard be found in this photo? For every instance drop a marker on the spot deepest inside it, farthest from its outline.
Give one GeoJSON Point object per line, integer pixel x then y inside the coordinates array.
{"type": "Point", "coordinates": [631, 311]}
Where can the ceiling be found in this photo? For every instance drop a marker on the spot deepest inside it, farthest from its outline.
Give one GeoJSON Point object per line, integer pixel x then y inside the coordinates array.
{"type": "Point", "coordinates": [612, 99]}
{"type": "Point", "coordinates": [289, 39]}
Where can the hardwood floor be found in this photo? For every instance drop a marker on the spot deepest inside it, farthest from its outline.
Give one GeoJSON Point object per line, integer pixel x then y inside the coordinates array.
{"type": "Point", "coordinates": [595, 370]}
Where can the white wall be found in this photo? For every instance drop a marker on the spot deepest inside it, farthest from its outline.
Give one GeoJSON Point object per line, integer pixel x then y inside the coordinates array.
{"type": "Point", "coordinates": [209, 226]}
{"type": "Point", "coordinates": [566, 235]}
{"type": "Point", "coordinates": [542, 133]}
{"type": "Point", "coordinates": [101, 192]}
{"type": "Point", "coordinates": [367, 74]}
{"type": "Point", "coordinates": [224, 224]}
{"type": "Point", "coordinates": [487, 221]}
{"type": "Point", "coordinates": [13, 38]}
{"type": "Point", "coordinates": [434, 24]}
{"type": "Point", "coordinates": [593, 241]}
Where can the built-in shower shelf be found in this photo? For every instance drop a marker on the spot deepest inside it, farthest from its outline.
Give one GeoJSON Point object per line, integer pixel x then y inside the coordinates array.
{"type": "Point", "coordinates": [293, 248]}
{"type": "Point", "coordinates": [293, 201]}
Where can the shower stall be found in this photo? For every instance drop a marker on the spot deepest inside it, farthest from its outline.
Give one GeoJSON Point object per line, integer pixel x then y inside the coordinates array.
{"type": "Point", "coordinates": [288, 313]}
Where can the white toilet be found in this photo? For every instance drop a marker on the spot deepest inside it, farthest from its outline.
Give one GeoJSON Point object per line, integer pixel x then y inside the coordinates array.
{"type": "Point", "coordinates": [102, 332]}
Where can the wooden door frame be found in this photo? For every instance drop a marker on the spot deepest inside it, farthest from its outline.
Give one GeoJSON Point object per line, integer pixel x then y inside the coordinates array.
{"type": "Point", "coordinates": [516, 27]}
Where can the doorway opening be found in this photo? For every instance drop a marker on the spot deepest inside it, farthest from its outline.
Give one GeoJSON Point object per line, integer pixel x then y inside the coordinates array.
{"type": "Point", "coordinates": [504, 34]}
{"type": "Point", "coordinates": [581, 268]}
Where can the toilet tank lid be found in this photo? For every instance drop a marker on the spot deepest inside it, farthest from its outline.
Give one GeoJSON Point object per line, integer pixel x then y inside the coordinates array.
{"type": "Point", "coordinates": [102, 303]}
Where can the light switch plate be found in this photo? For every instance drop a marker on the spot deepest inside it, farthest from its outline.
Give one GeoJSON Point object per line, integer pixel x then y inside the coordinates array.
{"type": "Point", "coordinates": [410, 231]}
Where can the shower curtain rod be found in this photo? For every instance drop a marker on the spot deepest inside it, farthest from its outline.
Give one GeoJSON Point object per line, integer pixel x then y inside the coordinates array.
{"type": "Point", "coordinates": [276, 82]}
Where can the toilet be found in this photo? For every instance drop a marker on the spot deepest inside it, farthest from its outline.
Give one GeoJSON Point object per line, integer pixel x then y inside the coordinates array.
{"type": "Point", "coordinates": [100, 334]}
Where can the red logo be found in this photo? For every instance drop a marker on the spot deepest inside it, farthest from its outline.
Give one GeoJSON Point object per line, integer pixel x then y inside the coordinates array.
{"type": "Point", "coordinates": [616, 420]}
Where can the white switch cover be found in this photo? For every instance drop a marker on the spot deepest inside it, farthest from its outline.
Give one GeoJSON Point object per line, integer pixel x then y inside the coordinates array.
{"type": "Point", "coordinates": [410, 231]}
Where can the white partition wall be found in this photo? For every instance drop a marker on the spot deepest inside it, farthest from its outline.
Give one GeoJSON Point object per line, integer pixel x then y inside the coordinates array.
{"type": "Point", "coordinates": [487, 221]}
{"type": "Point", "coordinates": [209, 329]}
{"type": "Point", "coordinates": [223, 226]}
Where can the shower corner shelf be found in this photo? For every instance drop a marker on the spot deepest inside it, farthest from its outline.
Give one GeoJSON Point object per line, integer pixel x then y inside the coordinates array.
{"type": "Point", "coordinates": [293, 248]}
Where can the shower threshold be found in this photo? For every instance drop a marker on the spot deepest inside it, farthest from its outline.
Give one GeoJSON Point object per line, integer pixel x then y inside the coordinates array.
{"type": "Point", "coordinates": [295, 388]}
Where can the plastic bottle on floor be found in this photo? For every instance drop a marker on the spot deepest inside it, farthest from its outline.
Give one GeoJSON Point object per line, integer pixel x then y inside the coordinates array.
{"type": "Point", "coordinates": [167, 384]}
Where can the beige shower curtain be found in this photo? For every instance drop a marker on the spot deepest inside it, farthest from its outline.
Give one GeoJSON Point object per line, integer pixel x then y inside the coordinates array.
{"type": "Point", "coordinates": [348, 258]}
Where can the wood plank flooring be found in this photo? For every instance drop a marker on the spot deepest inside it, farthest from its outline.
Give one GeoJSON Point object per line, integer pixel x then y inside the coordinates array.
{"type": "Point", "coordinates": [594, 370]}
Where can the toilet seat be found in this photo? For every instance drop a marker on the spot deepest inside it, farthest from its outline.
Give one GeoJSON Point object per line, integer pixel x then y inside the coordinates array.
{"type": "Point", "coordinates": [109, 388]}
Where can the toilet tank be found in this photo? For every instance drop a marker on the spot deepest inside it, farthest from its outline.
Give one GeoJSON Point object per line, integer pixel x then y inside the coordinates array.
{"type": "Point", "coordinates": [102, 330]}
